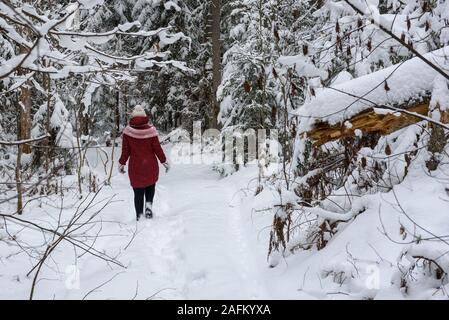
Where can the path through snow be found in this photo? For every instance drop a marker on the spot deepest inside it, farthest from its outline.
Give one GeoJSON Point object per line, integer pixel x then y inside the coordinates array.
{"type": "Point", "coordinates": [196, 247]}
{"type": "Point", "coordinates": [205, 242]}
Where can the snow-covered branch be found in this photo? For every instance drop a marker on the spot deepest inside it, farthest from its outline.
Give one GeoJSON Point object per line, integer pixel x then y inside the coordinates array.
{"type": "Point", "coordinates": [15, 143]}
{"type": "Point", "coordinates": [329, 215]}
{"type": "Point", "coordinates": [120, 30]}
{"type": "Point", "coordinates": [42, 38]}
{"type": "Point", "coordinates": [399, 39]}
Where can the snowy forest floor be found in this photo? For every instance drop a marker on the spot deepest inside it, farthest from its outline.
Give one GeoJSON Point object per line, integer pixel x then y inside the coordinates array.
{"type": "Point", "coordinates": [209, 240]}
{"type": "Point", "coordinates": [196, 247]}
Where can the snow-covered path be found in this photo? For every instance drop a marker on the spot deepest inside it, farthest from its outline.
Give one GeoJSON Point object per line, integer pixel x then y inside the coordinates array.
{"type": "Point", "coordinates": [208, 240]}
{"type": "Point", "coordinates": [215, 255]}
{"type": "Point", "coordinates": [196, 247]}
{"type": "Point", "coordinates": [199, 245]}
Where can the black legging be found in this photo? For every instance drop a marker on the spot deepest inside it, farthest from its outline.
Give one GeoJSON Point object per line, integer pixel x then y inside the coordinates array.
{"type": "Point", "coordinates": [139, 193]}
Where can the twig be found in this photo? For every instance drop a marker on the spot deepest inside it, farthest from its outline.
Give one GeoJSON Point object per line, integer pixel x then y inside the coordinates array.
{"type": "Point", "coordinates": [101, 285]}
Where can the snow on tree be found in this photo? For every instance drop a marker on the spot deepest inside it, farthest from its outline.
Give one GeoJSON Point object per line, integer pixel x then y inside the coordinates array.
{"type": "Point", "coordinates": [54, 59]}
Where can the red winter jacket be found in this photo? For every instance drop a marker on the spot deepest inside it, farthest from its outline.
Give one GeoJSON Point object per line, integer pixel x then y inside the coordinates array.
{"type": "Point", "coordinates": [141, 145]}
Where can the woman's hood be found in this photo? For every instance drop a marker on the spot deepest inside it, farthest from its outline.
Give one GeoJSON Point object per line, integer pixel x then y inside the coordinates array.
{"type": "Point", "coordinates": [140, 129]}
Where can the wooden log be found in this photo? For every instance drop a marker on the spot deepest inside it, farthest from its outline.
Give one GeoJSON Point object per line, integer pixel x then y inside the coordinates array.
{"type": "Point", "coordinates": [369, 122]}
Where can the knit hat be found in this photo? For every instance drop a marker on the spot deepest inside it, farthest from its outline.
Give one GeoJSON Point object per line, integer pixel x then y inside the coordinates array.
{"type": "Point", "coordinates": [138, 111]}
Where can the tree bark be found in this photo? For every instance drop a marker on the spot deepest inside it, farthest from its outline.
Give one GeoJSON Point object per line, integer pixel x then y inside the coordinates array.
{"type": "Point", "coordinates": [48, 125]}
{"type": "Point", "coordinates": [23, 130]}
{"type": "Point", "coordinates": [216, 58]}
{"type": "Point", "coordinates": [24, 108]}
{"type": "Point", "coordinates": [116, 126]}
{"type": "Point", "coordinates": [19, 180]}
{"type": "Point", "coordinates": [25, 117]}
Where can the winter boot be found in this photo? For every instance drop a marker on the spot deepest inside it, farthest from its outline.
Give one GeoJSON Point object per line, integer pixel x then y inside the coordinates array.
{"type": "Point", "coordinates": [148, 210]}
{"type": "Point", "coordinates": [139, 216]}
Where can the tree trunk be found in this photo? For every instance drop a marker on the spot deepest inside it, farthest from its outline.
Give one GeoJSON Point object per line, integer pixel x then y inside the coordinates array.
{"type": "Point", "coordinates": [22, 128]}
{"type": "Point", "coordinates": [23, 131]}
{"type": "Point", "coordinates": [84, 124]}
{"type": "Point", "coordinates": [124, 106]}
{"type": "Point", "coordinates": [116, 126]}
{"type": "Point", "coordinates": [47, 142]}
{"type": "Point", "coordinates": [19, 180]}
{"type": "Point", "coordinates": [24, 109]}
{"type": "Point", "coordinates": [115, 130]}
{"type": "Point", "coordinates": [216, 58]}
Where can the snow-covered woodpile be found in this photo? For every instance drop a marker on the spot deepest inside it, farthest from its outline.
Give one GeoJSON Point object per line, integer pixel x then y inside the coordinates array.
{"type": "Point", "coordinates": [358, 106]}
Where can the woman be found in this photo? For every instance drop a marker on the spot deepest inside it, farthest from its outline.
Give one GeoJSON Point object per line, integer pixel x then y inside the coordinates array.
{"type": "Point", "coordinates": [141, 145]}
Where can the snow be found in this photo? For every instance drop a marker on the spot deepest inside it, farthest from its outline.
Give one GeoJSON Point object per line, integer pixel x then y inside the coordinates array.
{"type": "Point", "coordinates": [78, 43]}
{"type": "Point", "coordinates": [87, 97]}
{"type": "Point", "coordinates": [89, 4]}
{"type": "Point", "coordinates": [412, 79]}
{"type": "Point", "coordinates": [237, 31]}
{"type": "Point", "coordinates": [195, 247]}
{"type": "Point", "coordinates": [211, 234]}
{"type": "Point", "coordinates": [8, 66]}
{"type": "Point", "coordinates": [209, 239]}
{"type": "Point", "coordinates": [342, 77]}
{"type": "Point", "coordinates": [60, 120]}
{"type": "Point", "coordinates": [12, 33]}
{"type": "Point", "coordinates": [371, 255]}
{"type": "Point", "coordinates": [171, 4]}
{"type": "Point", "coordinates": [127, 26]}
{"type": "Point", "coordinates": [167, 39]}
{"type": "Point", "coordinates": [302, 65]}
{"type": "Point", "coordinates": [440, 94]}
